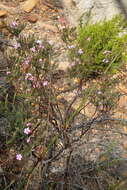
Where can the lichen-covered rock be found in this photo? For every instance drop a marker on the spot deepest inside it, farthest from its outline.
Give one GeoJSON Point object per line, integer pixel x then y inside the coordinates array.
{"type": "Point", "coordinates": [95, 10]}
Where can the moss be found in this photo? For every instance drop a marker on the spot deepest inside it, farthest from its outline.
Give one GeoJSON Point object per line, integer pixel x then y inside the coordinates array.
{"type": "Point", "coordinates": [103, 46]}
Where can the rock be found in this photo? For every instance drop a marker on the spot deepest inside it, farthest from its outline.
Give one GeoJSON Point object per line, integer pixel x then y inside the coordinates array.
{"type": "Point", "coordinates": [125, 129]}
{"type": "Point", "coordinates": [28, 5]}
{"type": "Point", "coordinates": [7, 8]}
{"type": "Point", "coordinates": [32, 18]}
{"type": "Point", "coordinates": [3, 13]}
{"type": "Point", "coordinates": [47, 27]}
{"type": "Point", "coordinates": [92, 10]}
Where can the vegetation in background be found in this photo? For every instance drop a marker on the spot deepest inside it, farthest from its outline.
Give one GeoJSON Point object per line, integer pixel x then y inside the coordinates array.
{"type": "Point", "coordinates": [99, 48]}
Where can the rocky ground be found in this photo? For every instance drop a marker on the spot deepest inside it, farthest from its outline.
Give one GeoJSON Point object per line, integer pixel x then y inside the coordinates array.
{"type": "Point", "coordinates": [43, 19]}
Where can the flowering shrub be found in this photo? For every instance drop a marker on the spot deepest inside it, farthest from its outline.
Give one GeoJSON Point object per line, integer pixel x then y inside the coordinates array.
{"type": "Point", "coordinates": [30, 71]}
{"type": "Point", "coordinates": [29, 111]}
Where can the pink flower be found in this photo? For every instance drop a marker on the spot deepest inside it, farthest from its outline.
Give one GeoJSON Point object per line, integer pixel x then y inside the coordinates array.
{"type": "Point", "coordinates": [8, 72]}
{"type": "Point", "coordinates": [37, 85]}
{"type": "Point", "coordinates": [27, 131]}
{"type": "Point", "coordinates": [18, 157]}
{"type": "Point", "coordinates": [14, 24]}
{"type": "Point", "coordinates": [26, 62]}
{"type": "Point", "coordinates": [30, 77]}
{"type": "Point", "coordinates": [40, 60]}
{"type": "Point", "coordinates": [33, 49]}
{"type": "Point", "coordinates": [41, 46]}
{"type": "Point", "coordinates": [29, 124]}
{"type": "Point", "coordinates": [45, 83]}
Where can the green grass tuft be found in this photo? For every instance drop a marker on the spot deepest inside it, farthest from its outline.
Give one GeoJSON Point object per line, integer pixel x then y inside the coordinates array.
{"type": "Point", "coordinates": [104, 49]}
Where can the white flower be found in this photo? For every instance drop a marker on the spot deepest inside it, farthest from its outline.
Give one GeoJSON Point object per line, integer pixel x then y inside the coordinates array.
{"type": "Point", "coordinates": [106, 52]}
{"type": "Point", "coordinates": [41, 46]}
{"type": "Point", "coordinates": [71, 47]}
{"type": "Point", "coordinates": [28, 75]}
{"type": "Point", "coordinates": [38, 41]}
{"type": "Point", "coordinates": [88, 39]}
{"type": "Point", "coordinates": [105, 61]}
{"type": "Point", "coordinates": [99, 92]}
{"type": "Point", "coordinates": [40, 60]}
{"type": "Point", "coordinates": [80, 51]}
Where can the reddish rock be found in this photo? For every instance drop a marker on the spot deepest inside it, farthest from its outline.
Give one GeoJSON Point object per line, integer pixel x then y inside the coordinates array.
{"type": "Point", "coordinates": [32, 18]}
